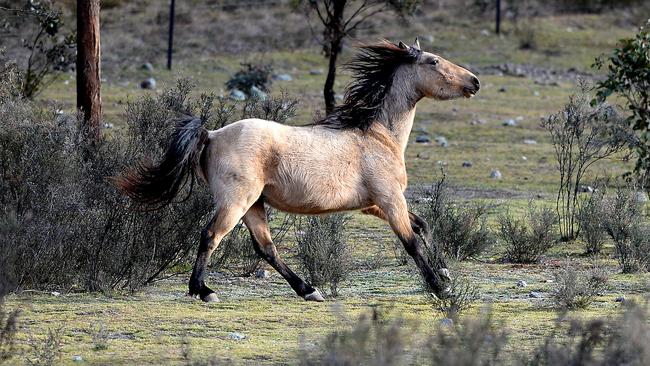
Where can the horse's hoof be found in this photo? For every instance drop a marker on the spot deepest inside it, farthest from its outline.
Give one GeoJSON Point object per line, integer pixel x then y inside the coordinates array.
{"type": "Point", "coordinates": [315, 296]}
{"type": "Point", "coordinates": [211, 297]}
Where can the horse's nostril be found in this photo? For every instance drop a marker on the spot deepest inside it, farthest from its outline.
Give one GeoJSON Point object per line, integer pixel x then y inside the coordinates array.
{"type": "Point", "coordinates": [477, 83]}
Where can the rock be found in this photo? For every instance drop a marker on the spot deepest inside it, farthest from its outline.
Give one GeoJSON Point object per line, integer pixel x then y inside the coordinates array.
{"type": "Point", "coordinates": [257, 93]}
{"type": "Point", "coordinates": [442, 141]}
{"type": "Point", "coordinates": [422, 139]}
{"type": "Point", "coordinates": [586, 189]}
{"type": "Point", "coordinates": [147, 66]}
{"type": "Point", "coordinates": [530, 142]}
{"type": "Point", "coordinates": [475, 122]}
{"type": "Point", "coordinates": [148, 83]}
{"type": "Point", "coordinates": [521, 283]}
{"type": "Point", "coordinates": [524, 158]}
{"type": "Point", "coordinates": [446, 322]}
{"type": "Point", "coordinates": [519, 118]}
{"type": "Point", "coordinates": [495, 174]}
{"type": "Point", "coordinates": [108, 125]}
{"type": "Point", "coordinates": [316, 72]}
{"type": "Point", "coordinates": [235, 336]}
{"type": "Point", "coordinates": [282, 77]}
{"type": "Point", "coordinates": [510, 122]}
{"type": "Point", "coordinates": [442, 162]}
{"type": "Point", "coordinates": [502, 89]}
{"type": "Point", "coordinates": [641, 197]}
{"type": "Point", "coordinates": [536, 93]}
{"type": "Point", "coordinates": [620, 299]}
{"type": "Point", "coordinates": [77, 358]}
{"type": "Point", "coordinates": [237, 94]}
{"type": "Point", "coordinates": [485, 32]}
{"type": "Point", "coordinates": [467, 164]}
{"type": "Point", "coordinates": [262, 273]}
{"type": "Point", "coordinates": [55, 293]}
{"type": "Point", "coordinates": [535, 295]}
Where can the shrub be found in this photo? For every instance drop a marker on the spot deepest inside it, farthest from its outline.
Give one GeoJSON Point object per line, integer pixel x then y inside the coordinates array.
{"type": "Point", "coordinates": [526, 242]}
{"type": "Point", "coordinates": [462, 294]}
{"type": "Point", "coordinates": [628, 72]}
{"type": "Point", "coordinates": [251, 75]}
{"type": "Point", "coordinates": [460, 229]}
{"type": "Point", "coordinates": [576, 290]}
{"type": "Point", "coordinates": [8, 329]}
{"type": "Point", "coordinates": [400, 253]}
{"type": "Point", "coordinates": [526, 36]}
{"type": "Point", "coordinates": [324, 251]}
{"type": "Point", "coordinates": [591, 222]}
{"type": "Point", "coordinates": [623, 223]}
{"type": "Point", "coordinates": [582, 135]}
{"type": "Point", "coordinates": [370, 341]}
{"type": "Point", "coordinates": [45, 352]}
{"type": "Point", "coordinates": [69, 227]}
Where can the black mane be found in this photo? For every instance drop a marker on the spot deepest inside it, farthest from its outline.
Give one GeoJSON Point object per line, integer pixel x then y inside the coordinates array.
{"type": "Point", "coordinates": [373, 68]}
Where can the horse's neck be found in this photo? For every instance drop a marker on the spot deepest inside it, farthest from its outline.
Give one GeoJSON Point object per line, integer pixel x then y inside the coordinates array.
{"type": "Point", "coordinates": [398, 111]}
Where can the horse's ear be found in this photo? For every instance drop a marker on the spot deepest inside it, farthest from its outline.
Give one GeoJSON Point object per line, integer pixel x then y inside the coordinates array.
{"type": "Point", "coordinates": [416, 45]}
{"type": "Point", "coordinates": [402, 45]}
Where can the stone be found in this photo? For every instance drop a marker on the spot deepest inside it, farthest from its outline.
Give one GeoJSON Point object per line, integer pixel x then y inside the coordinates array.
{"type": "Point", "coordinates": [510, 122]}
{"type": "Point", "coordinates": [446, 322]}
{"type": "Point", "coordinates": [262, 273]}
{"type": "Point", "coordinates": [519, 118]}
{"type": "Point", "coordinates": [495, 174]}
{"type": "Point", "coordinates": [586, 189]}
{"type": "Point", "coordinates": [502, 89]}
{"type": "Point", "coordinates": [522, 283]}
{"type": "Point", "coordinates": [485, 32]}
{"type": "Point", "coordinates": [442, 141]}
{"type": "Point", "coordinates": [77, 358]}
{"type": "Point", "coordinates": [475, 122]}
{"type": "Point", "coordinates": [536, 93]}
{"type": "Point", "coordinates": [316, 72]}
{"type": "Point", "coordinates": [620, 299]}
{"type": "Point", "coordinates": [108, 125]}
{"type": "Point", "coordinates": [535, 295]}
{"type": "Point", "coordinates": [641, 197]}
{"type": "Point", "coordinates": [282, 77]}
{"type": "Point", "coordinates": [442, 162]}
{"type": "Point", "coordinates": [235, 336]}
{"type": "Point", "coordinates": [148, 83]}
{"type": "Point", "coordinates": [237, 94]}
{"type": "Point", "coordinates": [530, 142]}
{"type": "Point", "coordinates": [55, 293]}
{"type": "Point", "coordinates": [422, 139]}
{"type": "Point", "coordinates": [467, 164]}
{"type": "Point", "coordinates": [524, 158]}
{"type": "Point", "coordinates": [147, 66]}
{"type": "Point", "coordinates": [258, 93]}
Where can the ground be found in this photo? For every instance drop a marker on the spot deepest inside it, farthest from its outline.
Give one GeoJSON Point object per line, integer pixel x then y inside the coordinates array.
{"type": "Point", "coordinates": [159, 324]}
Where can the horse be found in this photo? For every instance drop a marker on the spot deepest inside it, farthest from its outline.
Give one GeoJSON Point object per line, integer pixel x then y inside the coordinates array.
{"type": "Point", "coordinates": [349, 160]}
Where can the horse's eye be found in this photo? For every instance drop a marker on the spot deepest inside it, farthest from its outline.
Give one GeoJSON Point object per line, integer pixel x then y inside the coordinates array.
{"type": "Point", "coordinates": [433, 62]}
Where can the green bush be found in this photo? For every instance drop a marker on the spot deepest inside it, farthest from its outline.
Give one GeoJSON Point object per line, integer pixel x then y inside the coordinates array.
{"type": "Point", "coordinates": [525, 241]}
{"type": "Point", "coordinates": [251, 75]}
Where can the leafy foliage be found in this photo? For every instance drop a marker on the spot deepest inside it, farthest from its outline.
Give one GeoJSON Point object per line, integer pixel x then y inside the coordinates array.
{"type": "Point", "coordinates": [628, 75]}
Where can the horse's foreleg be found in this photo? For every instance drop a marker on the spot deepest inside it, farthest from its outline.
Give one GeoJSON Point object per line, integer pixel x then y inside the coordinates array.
{"type": "Point", "coordinates": [255, 220]}
{"type": "Point", "coordinates": [402, 222]}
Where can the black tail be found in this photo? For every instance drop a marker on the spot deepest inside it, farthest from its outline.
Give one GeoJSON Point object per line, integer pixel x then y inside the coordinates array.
{"type": "Point", "coordinates": [158, 184]}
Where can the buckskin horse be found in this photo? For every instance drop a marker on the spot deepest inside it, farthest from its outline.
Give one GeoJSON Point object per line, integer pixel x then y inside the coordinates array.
{"type": "Point", "coordinates": [352, 159]}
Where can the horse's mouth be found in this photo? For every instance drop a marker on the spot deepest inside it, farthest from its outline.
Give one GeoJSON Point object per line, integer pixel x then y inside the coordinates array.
{"type": "Point", "coordinates": [469, 92]}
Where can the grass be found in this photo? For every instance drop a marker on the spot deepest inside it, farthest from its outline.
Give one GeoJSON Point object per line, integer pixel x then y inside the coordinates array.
{"type": "Point", "coordinates": [150, 327]}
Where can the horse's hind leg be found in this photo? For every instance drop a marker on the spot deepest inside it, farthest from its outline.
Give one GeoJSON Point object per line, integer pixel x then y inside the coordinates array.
{"type": "Point", "coordinates": [221, 224]}
{"type": "Point", "coordinates": [255, 220]}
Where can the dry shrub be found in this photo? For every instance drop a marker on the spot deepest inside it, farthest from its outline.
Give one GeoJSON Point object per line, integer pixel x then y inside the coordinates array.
{"type": "Point", "coordinates": [525, 241]}
{"type": "Point", "coordinates": [591, 221]}
{"type": "Point", "coordinates": [324, 251]}
{"type": "Point", "coordinates": [462, 294]}
{"type": "Point", "coordinates": [68, 227]}
{"type": "Point", "coordinates": [624, 224]}
{"type": "Point", "coordinates": [577, 289]}
{"type": "Point", "coordinates": [459, 228]}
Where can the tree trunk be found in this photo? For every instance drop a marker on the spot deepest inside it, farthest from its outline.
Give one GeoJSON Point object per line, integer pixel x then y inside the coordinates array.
{"type": "Point", "coordinates": [88, 66]}
{"type": "Point", "coordinates": [334, 33]}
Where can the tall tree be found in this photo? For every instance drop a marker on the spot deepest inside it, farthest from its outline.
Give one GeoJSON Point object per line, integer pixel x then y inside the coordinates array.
{"type": "Point", "coordinates": [88, 65]}
{"type": "Point", "coordinates": [339, 19]}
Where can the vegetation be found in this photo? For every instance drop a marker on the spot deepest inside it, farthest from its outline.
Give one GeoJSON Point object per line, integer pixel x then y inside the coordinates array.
{"type": "Point", "coordinates": [576, 290]}
{"type": "Point", "coordinates": [251, 76]}
{"type": "Point", "coordinates": [527, 241]}
{"type": "Point", "coordinates": [591, 220]}
{"type": "Point", "coordinates": [628, 75]}
{"type": "Point", "coordinates": [324, 251]}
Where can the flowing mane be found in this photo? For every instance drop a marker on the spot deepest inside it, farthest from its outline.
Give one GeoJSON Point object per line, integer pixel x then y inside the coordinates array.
{"type": "Point", "coordinates": [373, 69]}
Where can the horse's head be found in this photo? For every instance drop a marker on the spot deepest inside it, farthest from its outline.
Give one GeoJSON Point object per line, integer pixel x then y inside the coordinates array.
{"type": "Point", "coordinates": [440, 79]}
